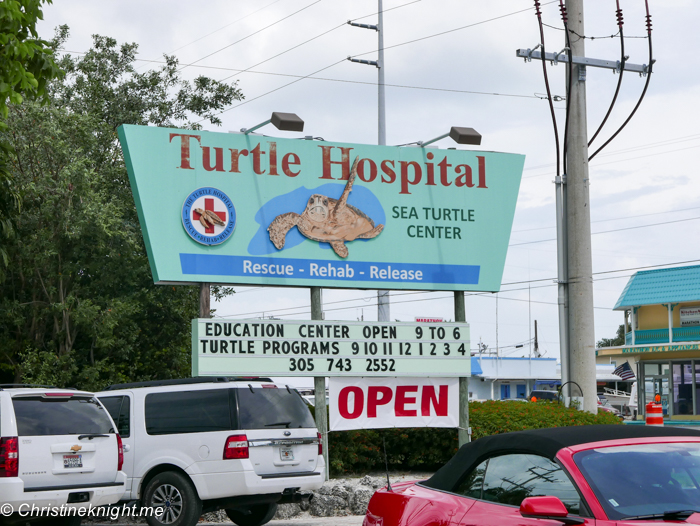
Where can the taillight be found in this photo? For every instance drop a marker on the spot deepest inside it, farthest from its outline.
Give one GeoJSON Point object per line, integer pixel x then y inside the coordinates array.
{"type": "Point", "coordinates": [236, 447]}
{"type": "Point", "coordinates": [120, 453]}
{"type": "Point", "coordinates": [320, 444]}
{"type": "Point", "coordinates": [9, 457]}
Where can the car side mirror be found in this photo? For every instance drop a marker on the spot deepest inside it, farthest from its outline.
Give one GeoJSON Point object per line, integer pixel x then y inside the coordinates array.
{"type": "Point", "coordinates": [547, 508]}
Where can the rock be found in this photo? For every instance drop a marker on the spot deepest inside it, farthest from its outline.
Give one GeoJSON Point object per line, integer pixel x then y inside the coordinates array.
{"type": "Point", "coordinates": [287, 511]}
{"type": "Point", "coordinates": [372, 482]}
{"type": "Point", "coordinates": [324, 490]}
{"type": "Point", "coordinates": [341, 491]}
{"type": "Point", "coordinates": [216, 516]}
{"type": "Point", "coordinates": [360, 499]}
{"type": "Point", "coordinates": [328, 506]}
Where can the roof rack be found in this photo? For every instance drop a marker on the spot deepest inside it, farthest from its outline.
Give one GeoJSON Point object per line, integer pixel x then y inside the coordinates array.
{"type": "Point", "coordinates": [186, 381]}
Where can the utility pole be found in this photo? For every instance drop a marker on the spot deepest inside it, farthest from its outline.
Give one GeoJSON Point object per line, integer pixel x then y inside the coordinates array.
{"type": "Point", "coordinates": [580, 262]}
{"type": "Point", "coordinates": [575, 269]}
{"type": "Point", "coordinates": [383, 301]}
{"type": "Point", "coordinates": [537, 346]}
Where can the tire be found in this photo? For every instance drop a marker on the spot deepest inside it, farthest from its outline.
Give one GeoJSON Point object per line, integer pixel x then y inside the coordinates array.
{"type": "Point", "coordinates": [174, 492]}
{"type": "Point", "coordinates": [253, 516]}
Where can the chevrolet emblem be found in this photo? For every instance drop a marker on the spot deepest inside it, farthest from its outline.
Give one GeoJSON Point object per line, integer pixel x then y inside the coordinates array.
{"type": "Point", "coordinates": [76, 448]}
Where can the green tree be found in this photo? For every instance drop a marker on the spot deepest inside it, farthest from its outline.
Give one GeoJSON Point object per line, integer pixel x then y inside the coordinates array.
{"type": "Point", "coordinates": [79, 306]}
{"type": "Point", "coordinates": [617, 341]}
{"type": "Point", "coordinates": [26, 64]}
{"type": "Point", "coordinates": [26, 61]}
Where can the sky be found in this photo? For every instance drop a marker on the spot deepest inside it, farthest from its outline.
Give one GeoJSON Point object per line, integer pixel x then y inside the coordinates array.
{"type": "Point", "coordinates": [452, 63]}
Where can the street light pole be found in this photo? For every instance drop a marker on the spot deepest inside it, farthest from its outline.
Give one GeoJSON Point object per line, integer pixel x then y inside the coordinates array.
{"type": "Point", "coordinates": [383, 301]}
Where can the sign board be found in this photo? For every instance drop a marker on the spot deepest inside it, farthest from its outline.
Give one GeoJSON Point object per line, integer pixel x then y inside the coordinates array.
{"type": "Point", "coordinates": [248, 209]}
{"type": "Point", "coordinates": [320, 348]}
{"type": "Point", "coordinates": [690, 316]}
{"type": "Point", "coordinates": [674, 347]}
{"type": "Point", "coordinates": [373, 403]}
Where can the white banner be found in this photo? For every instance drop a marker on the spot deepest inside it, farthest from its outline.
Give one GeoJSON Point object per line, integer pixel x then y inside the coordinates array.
{"type": "Point", "coordinates": [374, 403]}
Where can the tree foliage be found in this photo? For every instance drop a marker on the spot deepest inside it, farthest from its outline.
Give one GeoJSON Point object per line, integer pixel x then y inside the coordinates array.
{"type": "Point", "coordinates": [26, 61]}
{"type": "Point", "coordinates": [426, 449]}
{"type": "Point", "coordinates": [79, 306]}
{"type": "Point", "coordinates": [26, 64]}
{"type": "Point", "coordinates": [617, 341]}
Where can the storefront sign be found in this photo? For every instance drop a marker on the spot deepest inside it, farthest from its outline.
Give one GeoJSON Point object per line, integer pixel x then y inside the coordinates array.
{"type": "Point", "coordinates": [312, 348]}
{"type": "Point", "coordinates": [247, 209]}
{"type": "Point", "coordinates": [374, 403]}
{"type": "Point", "coordinates": [690, 316]}
{"type": "Point", "coordinates": [640, 349]}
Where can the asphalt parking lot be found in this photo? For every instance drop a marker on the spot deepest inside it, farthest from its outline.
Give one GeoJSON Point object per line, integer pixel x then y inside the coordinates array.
{"type": "Point", "coordinates": [353, 520]}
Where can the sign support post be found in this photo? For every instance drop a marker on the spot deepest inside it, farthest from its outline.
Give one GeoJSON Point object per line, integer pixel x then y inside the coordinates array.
{"type": "Point", "coordinates": [463, 434]}
{"type": "Point", "coordinates": [320, 384]}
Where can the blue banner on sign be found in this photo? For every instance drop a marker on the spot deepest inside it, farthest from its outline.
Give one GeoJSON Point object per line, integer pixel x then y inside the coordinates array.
{"type": "Point", "coordinates": [256, 267]}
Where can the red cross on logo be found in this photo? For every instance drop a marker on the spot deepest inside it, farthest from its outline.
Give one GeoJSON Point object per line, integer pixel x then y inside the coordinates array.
{"type": "Point", "coordinates": [209, 205]}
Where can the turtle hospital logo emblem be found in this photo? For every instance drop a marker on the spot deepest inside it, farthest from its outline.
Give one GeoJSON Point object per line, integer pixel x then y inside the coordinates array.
{"type": "Point", "coordinates": [208, 216]}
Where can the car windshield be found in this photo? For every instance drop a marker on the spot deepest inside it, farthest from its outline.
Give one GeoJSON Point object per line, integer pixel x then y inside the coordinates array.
{"type": "Point", "coordinates": [645, 479]}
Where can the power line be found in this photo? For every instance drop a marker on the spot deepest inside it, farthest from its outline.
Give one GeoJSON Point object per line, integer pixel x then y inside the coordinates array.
{"type": "Point", "coordinates": [627, 150]}
{"type": "Point", "coordinates": [451, 30]}
{"type": "Point", "coordinates": [344, 81]}
{"type": "Point", "coordinates": [224, 27]}
{"type": "Point", "coordinates": [384, 48]}
{"type": "Point", "coordinates": [627, 160]}
{"type": "Point", "coordinates": [590, 38]}
{"type": "Point", "coordinates": [302, 309]}
{"type": "Point", "coordinates": [608, 231]}
{"type": "Point", "coordinates": [314, 38]}
{"type": "Point", "coordinates": [276, 89]}
{"type": "Point", "coordinates": [617, 218]}
{"type": "Point", "coordinates": [283, 52]}
{"type": "Point", "coordinates": [486, 294]}
{"type": "Point", "coordinates": [254, 33]}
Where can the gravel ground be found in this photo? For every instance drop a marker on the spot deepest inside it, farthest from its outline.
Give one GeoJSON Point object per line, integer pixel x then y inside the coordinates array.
{"type": "Point", "coordinates": [341, 502]}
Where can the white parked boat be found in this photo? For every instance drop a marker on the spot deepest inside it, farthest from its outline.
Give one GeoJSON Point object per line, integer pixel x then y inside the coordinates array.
{"type": "Point", "coordinates": [616, 397]}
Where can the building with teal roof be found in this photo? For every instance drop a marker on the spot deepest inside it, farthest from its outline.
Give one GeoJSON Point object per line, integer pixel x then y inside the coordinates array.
{"type": "Point", "coordinates": [661, 313]}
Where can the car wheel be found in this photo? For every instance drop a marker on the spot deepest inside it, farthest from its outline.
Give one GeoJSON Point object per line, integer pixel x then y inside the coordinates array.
{"type": "Point", "coordinates": [253, 516]}
{"type": "Point", "coordinates": [175, 494]}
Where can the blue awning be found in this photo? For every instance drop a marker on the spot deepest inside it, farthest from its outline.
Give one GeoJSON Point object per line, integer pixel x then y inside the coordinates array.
{"type": "Point", "coordinates": [476, 368]}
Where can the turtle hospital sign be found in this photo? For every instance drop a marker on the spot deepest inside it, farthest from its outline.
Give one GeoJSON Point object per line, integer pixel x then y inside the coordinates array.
{"type": "Point", "coordinates": [249, 209]}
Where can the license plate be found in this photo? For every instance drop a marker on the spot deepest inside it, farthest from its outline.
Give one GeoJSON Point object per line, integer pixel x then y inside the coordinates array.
{"type": "Point", "coordinates": [72, 461]}
{"type": "Point", "coordinates": [286, 453]}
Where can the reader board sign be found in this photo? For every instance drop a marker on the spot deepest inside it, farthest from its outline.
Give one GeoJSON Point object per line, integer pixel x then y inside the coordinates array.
{"type": "Point", "coordinates": [690, 316]}
{"type": "Point", "coordinates": [325, 348]}
{"type": "Point", "coordinates": [374, 403]}
{"type": "Point", "coordinates": [247, 209]}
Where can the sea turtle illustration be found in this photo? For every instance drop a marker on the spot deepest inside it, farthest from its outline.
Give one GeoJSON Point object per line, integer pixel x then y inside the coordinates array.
{"type": "Point", "coordinates": [327, 220]}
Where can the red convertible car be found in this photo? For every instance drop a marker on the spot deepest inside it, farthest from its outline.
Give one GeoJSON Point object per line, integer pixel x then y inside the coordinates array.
{"type": "Point", "coordinates": [589, 475]}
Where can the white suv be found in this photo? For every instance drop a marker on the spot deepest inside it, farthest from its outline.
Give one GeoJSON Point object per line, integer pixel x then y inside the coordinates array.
{"type": "Point", "coordinates": [201, 444]}
{"type": "Point", "coordinates": [57, 447]}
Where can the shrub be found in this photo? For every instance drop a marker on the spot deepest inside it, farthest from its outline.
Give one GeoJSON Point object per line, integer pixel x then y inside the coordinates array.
{"type": "Point", "coordinates": [427, 449]}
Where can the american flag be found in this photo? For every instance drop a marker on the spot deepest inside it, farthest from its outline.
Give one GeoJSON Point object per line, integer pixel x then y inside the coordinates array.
{"type": "Point", "coordinates": [624, 371]}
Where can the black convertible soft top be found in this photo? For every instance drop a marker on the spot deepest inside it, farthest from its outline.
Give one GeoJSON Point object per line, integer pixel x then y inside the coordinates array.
{"type": "Point", "coordinates": [544, 442]}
